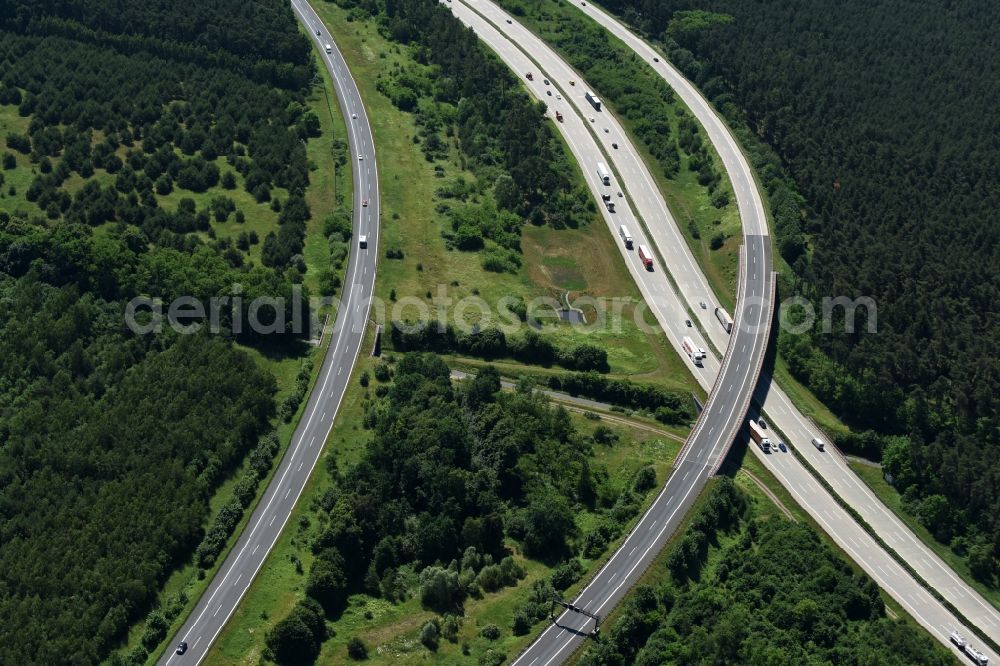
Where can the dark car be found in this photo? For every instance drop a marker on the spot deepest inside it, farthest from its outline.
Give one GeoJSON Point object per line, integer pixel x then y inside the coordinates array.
{"type": "Point", "coordinates": [688, 322]}
{"type": "Point", "coordinates": [182, 647]}
{"type": "Point", "coordinates": [762, 423]}
{"type": "Point", "coordinates": [781, 445]}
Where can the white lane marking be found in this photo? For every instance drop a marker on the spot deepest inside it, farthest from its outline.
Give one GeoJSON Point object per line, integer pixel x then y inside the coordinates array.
{"type": "Point", "coordinates": [287, 493]}
{"type": "Point", "coordinates": [312, 414]}
{"type": "Point", "coordinates": [237, 579]}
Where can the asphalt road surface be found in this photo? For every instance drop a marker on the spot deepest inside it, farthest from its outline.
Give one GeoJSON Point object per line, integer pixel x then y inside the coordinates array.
{"type": "Point", "coordinates": [726, 407]}
{"type": "Point", "coordinates": [776, 404]}
{"type": "Point", "coordinates": [265, 525]}
{"type": "Point", "coordinates": [524, 53]}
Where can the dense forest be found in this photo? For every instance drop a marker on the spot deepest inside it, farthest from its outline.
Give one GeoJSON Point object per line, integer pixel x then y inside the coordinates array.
{"type": "Point", "coordinates": [451, 479]}
{"type": "Point", "coordinates": [736, 589]}
{"type": "Point", "coordinates": [111, 443]}
{"type": "Point", "coordinates": [458, 89]}
{"type": "Point", "coordinates": [888, 129]}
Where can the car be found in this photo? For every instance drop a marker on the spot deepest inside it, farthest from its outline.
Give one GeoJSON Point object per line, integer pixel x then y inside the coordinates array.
{"type": "Point", "coordinates": [545, 81]}
{"type": "Point", "coordinates": [620, 193]}
{"type": "Point", "coordinates": [614, 145]}
{"type": "Point", "coordinates": [509, 22]}
{"type": "Point", "coordinates": [354, 115]}
{"type": "Point", "coordinates": [317, 32]}
{"type": "Point", "coordinates": [364, 202]}
{"type": "Point", "coordinates": [702, 304]}
{"type": "Point", "coordinates": [549, 93]}
{"type": "Point", "coordinates": [360, 157]}
{"type": "Point", "coordinates": [762, 423]}
{"type": "Point", "coordinates": [607, 131]}
{"type": "Point", "coordinates": [781, 445]}
{"type": "Point", "coordinates": [572, 83]}
{"type": "Point", "coordinates": [591, 118]}
{"type": "Point", "coordinates": [362, 241]}
{"type": "Point", "coordinates": [687, 322]}
{"type": "Point", "coordinates": [558, 96]}
{"type": "Point", "coordinates": [655, 59]}
{"type": "Point", "coordinates": [182, 647]}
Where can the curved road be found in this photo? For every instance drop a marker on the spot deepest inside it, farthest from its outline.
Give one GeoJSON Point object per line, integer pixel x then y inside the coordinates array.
{"type": "Point", "coordinates": [775, 402]}
{"type": "Point", "coordinates": [727, 404]}
{"type": "Point", "coordinates": [524, 52]}
{"type": "Point", "coordinates": [269, 518]}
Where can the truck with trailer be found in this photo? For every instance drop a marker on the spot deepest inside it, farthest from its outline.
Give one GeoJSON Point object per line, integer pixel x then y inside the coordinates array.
{"type": "Point", "coordinates": [724, 319]}
{"type": "Point", "coordinates": [976, 656]}
{"type": "Point", "coordinates": [646, 256]}
{"type": "Point", "coordinates": [603, 173]}
{"type": "Point", "coordinates": [594, 100]}
{"type": "Point", "coordinates": [626, 236]}
{"type": "Point", "coordinates": [758, 436]}
{"type": "Point", "coordinates": [693, 351]}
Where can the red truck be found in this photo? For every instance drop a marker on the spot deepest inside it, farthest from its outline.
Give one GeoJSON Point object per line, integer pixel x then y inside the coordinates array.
{"type": "Point", "coordinates": [646, 256]}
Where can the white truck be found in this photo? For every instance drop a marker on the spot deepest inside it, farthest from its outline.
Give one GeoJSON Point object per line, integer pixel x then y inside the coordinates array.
{"type": "Point", "coordinates": [724, 319]}
{"type": "Point", "coordinates": [603, 173]}
{"type": "Point", "coordinates": [695, 352]}
{"type": "Point", "coordinates": [818, 443]}
{"type": "Point", "coordinates": [594, 100]}
{"type": "Point", "coordinates": [758, 436]}
{"type": "Point", "coordinates": [626, 236]}
{"type": "Point", "coordinates": [976, 656]}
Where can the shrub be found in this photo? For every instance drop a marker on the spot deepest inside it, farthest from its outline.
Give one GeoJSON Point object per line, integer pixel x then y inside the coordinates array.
{"type": "Point", "coordinates": [490, 632]}
{"type": "Point", "coordinates": [356, 649]}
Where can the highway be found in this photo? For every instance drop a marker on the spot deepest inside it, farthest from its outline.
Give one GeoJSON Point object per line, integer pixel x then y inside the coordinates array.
{"type": "Point", "coordinates": [268, 519]}
{"type": "Point", "coordinates": [724, 410]}
{"type": "Point", "coordinates": [776, 404]}
{"type": "Point", "coordinates": [513, 43]}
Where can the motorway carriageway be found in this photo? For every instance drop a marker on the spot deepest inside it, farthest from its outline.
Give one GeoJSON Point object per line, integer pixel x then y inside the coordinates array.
{"type": "Point", "coordinates": [724, 411]}
{"type": "Point", "coordinates": [246, 558]}
{"type": "Point", "coordinates": [776, 404]}
{"type": "Point", "coordinates": [806, 489]}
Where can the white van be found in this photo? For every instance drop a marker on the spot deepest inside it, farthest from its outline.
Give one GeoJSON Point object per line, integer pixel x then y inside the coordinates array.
{"type": "Point", "coordinates": [626, 236]}
{"type": "Point", "coordinates": [329, 49]}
